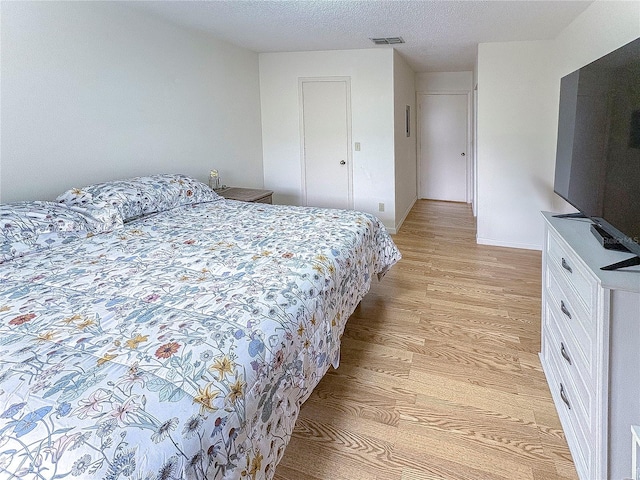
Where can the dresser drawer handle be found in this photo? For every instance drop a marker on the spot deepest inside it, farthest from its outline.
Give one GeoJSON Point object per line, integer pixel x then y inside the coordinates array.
{"type": "Point", "coordinates": [566, 266]}
{"type": "Point", "coordinates": [564, 309]}
{"type": "Point", "coordinates": [564, 353]}
{"type": "Point", "coordinates": [563, 396]}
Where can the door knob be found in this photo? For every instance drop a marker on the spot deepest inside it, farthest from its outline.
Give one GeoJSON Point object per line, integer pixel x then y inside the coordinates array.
{"type": "Point", "coordinates": [463, 154]}
{"type": "Point", "coordinates": [342, 162]}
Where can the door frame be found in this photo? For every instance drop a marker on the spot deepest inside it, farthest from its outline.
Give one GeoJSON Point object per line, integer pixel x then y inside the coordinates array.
{"type": "Point", "coordinates": [469, 181]}
{"type": "Point", "coordinates": [349, 159]}
{"type": "Point", "coordinates": [474, 179]}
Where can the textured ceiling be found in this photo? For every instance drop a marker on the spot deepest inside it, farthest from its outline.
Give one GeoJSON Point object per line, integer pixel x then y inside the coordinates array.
{"type": "Point", "coordinates": [440, 36]}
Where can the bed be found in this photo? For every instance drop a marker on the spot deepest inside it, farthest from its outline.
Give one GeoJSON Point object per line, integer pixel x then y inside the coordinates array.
{"type": "Point", "coordinates": [150, 329]}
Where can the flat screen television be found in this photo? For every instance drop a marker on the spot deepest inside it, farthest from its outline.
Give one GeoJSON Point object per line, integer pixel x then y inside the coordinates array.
{"type": "Point", "coordinates": [598, 151]}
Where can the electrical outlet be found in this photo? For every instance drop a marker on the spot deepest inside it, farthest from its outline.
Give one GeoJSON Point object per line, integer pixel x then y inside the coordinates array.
{"type": "Point", "coordinates": [381, 207]}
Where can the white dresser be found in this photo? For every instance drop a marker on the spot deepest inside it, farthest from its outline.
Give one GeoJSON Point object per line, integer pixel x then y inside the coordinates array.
{"type": "Point", "coordinates": [591, 347]}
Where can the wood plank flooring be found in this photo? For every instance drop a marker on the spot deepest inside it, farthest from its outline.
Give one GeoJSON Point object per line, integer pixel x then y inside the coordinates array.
{"type": "Point", "coordinates": [439, 375]}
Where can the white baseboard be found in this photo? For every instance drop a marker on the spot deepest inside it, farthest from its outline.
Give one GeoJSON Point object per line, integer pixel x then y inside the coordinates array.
{"type": "Point", "coordinates": [498, 243]}
{"type": "Point", "coordinates": [404, 217]}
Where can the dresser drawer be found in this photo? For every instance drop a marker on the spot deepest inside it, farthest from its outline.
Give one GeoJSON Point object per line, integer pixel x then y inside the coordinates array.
{"type": "Point", "coordinates": [571, 269]}
{"type": "Point", "coordinates": [582, 450]}
{"type": "Point", "coordinates": [574, 325]}
{"type": "Point", "coordinates": [571, 369]}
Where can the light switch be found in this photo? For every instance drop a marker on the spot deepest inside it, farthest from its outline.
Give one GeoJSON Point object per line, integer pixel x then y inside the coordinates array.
{"type": "Point", "coordinates": [357, 146]}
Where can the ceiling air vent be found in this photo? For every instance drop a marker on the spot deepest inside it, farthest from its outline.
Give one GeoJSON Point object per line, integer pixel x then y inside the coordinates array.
{"type": "Point", "coordinates": [387, 40]}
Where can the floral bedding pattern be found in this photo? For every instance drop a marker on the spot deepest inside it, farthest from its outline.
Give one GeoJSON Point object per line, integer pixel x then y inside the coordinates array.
{"type": "Point", "coordinates": [31, 226]}
{"type": "Point", "coordinates": [136, 197]}
{"type": "Point", "coordinates": [179, 346]}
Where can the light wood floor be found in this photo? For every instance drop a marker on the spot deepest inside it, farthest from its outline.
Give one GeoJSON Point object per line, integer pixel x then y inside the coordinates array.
{"type": "Point", "coordinates": [439, 377]}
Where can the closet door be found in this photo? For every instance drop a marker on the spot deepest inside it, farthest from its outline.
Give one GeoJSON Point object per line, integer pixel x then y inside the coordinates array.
{"type": "Point", "coordinates": [326, 142]}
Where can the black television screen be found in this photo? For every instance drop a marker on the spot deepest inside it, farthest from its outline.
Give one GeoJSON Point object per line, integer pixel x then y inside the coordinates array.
{"type": "Point", "coordinates": [598, 151]}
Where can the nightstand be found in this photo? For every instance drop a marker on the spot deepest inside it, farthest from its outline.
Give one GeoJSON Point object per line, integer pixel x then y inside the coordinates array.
{"type": "Point", "coordinates": [253, 195]}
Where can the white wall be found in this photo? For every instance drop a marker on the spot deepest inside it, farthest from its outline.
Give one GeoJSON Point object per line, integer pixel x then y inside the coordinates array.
{"type": "Point", "coordinates": [518, 92]}
{"type": "Point", "coordinates": [444, 82]}
{"type": "Point", "coordinates": [404, 91]}
{"type": "Point", "coordinates": [371, 73]}
{"type": "Point", "coordinates": [93, 91]}
{"type": "Point", "coordinates": [599, 30]}
{"type": "Point", "coordinates": [517, 105]}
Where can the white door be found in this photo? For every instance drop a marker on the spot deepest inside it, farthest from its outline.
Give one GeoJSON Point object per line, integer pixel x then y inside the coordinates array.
{"type": "Point", "coordinates": [326, 143]}
{"type": "Point", "coordinates": [443, 147]}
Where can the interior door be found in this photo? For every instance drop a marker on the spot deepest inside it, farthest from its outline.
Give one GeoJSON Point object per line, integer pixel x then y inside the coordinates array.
{"type": "Point", "coordinates": [443, 147]}
{"type": "Point", "coordinates": [326, 143]}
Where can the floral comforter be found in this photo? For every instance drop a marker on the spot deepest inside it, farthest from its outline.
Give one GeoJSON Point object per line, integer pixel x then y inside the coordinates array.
{"type": "Point", "coordinates": [179, 346]}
